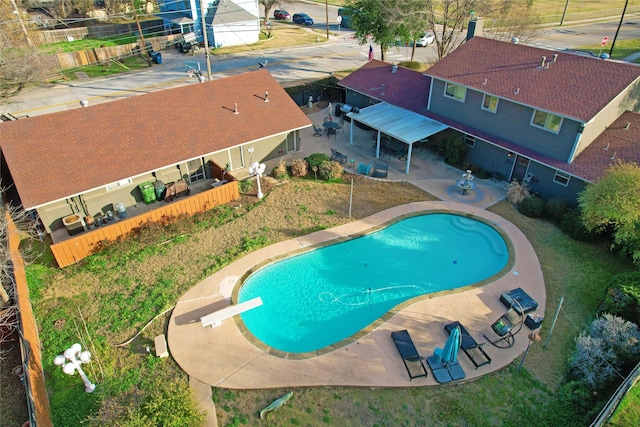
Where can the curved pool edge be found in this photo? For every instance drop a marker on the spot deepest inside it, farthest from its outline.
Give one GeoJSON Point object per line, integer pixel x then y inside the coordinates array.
{"type": "Point", "coordinates": [224, 357]}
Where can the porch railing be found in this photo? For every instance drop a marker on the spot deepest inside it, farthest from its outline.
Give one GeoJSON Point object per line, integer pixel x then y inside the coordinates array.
{"type": "Point", "coordinates": [79, 247]}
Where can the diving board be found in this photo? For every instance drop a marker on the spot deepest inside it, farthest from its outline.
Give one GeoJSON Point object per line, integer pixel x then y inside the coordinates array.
{"type": "Point", "coordinates": [215, 319]}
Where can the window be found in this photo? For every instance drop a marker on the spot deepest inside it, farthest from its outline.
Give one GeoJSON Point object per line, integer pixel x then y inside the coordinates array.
{"type": "Point", "coordinates": [546, 121]}
{"type": "Point", "coordinates": [561, 178]}
{"type": "Point", "coordinates": [470, 140]}
{"type": "Point", "coordinates": [196, 170]}
{"type": "Point", "coordinates": [455, 92]}
{"type": "Point", "coordinates": [490, 103]}
{"type": "Point", "coordinates": [119, 184]}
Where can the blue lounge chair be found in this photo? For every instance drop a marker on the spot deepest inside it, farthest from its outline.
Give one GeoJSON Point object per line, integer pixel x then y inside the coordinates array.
{"type": "Point", "coordinates": [409, 353]}
{"type": "Point", "coordinates": [471, 348]}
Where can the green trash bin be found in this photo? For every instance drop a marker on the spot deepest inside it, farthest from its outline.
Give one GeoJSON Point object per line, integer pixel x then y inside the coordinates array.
{"type": "Point", "coordinates": [148, 192]}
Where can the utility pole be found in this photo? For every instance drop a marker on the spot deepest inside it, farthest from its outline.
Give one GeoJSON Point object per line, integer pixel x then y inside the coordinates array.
{"type": "Point", "coordinates": [205, 35]}
{"type": "Point", "coordinates": [326, 11]}
{"type": "Point", "coordinates": [144, 44]}
{"type": "Point", "coordinates": [618, 30]}
{"type": "Point", "coordinates": [564, 12]}
{"type": "Point", "coordinates": [24, 29]}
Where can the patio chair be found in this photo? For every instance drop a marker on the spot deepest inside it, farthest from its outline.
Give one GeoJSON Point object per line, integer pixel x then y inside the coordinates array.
{"type": "Point", "coordinates": [506, 327]}
{"type": "Point", "coordinates": [409, 353]}
{"type": "Point", "coordinates": [317, 131]}
{"type": "Point", "coordinates": [471, 348]}
{"type": "Point", "coordinates": [380, 170]}
{"type": "Point", "coordinates": [364, 169]}
{"type": "Point", "coordinates": [337, 156]}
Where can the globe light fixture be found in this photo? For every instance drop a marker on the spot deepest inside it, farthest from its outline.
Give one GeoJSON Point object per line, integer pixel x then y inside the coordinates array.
{"type": "Point", "coordinates": [257, 169]}
{"type": "Point", "coordinates": [75, 357]}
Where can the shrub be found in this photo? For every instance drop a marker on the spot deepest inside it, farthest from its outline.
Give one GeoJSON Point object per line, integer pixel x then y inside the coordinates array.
{"type": "Point", "coordinates": [531, 206]}
{"type": "Point", "coordinates": [516, 192]}
{"type": "Point", "coordinates": [280, 171]}
{"type": "Point", "coordinates": [330, 170]}
{"type": "Point", "coordinates": [572, 225]}
{"type": "Point", "coordinates": [623, 297]}
{"type": "Point", "coordinates": [621, 336]}
{"type": "Point", "coordinates": [454, 151]}
{"type": "Point", "coordinates": [316, 159]}
{"type": "Point", "coordinates": [555, 208]}
{"type": "Point", "coordinates": [299, 168]}
{"type": "Point", "coordinates": [592, 361]}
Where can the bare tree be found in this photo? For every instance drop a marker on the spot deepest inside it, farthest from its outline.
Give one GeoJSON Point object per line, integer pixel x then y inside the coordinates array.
{"type": "Point", "coordinates": [268, 5]}
{"type": "Point", "coordinates": [20, 62]}
{"type": "Point", "coordinates": [448, 19]}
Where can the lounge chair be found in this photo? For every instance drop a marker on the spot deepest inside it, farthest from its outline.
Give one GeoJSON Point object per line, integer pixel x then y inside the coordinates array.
{"type": "Point", "coordinates": [408, 353]}
{"type": "Point", "coordinates": [471, 348]}
{"type": "Point", "coordinates": [317, 131]}
{"type": "Point", "coordinates": [380, 170]}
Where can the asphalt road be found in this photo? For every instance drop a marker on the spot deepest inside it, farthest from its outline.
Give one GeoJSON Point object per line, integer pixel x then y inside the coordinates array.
{"type": "Point", "coordinates": [287, 65]}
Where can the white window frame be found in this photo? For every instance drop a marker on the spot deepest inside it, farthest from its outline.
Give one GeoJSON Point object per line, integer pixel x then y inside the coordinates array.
{"type": "Point", "coordinates": [562, 176]}
{"type": "Point", "coordinates": [118, 184]}
{"type": "Point", "coordinates": [470, 140]}
{"type": "Point", "coordinates": [491, 98]}
{"type": "Point", "coordinates": [547, 120]}
{"type": "Point", "coordinates": [455, 90]}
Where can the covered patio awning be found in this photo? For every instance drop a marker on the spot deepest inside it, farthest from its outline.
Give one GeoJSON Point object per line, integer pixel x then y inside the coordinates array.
{"type": "Point", "coordinates": [402, 125]}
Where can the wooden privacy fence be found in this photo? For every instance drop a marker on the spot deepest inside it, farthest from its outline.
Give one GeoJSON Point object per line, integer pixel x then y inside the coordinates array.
{"type": "Point", "coordinates": [36, 392]}
{"type": "Point", "coordinates": [81, 58]}
{"type": "Point", "coordinates": [79, 247]}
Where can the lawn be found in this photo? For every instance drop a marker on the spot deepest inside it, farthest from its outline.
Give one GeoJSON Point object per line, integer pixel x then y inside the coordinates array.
{"type": "Point", "coordinates": [110, 297]}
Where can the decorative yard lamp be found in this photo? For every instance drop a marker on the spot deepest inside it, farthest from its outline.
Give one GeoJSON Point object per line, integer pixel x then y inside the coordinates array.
{"type": "Point", "coordinates": [257, 169]}
{"type": "Point", "coordinates": [76, 357]}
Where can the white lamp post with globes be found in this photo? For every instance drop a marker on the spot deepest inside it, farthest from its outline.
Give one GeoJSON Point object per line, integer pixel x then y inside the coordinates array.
{"type": "Point", "coordinates": [76, 357]}
{"type": "Point", "coordinates": [257, 169]}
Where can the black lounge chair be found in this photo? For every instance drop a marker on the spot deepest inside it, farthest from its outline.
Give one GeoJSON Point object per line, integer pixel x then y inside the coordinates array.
{"type": "Point", "coordinates": [337, 156]}
{"type": "Point", "coordinates": [317, 131]}
{"type": "Point", "coordinates": [408, 353]}
{"type": "Point", "coordinates": [471, 348]}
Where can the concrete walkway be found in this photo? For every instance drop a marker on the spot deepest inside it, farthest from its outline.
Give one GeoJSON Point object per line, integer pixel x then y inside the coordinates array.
{"type": "Point", "coordinates": [226, 357]}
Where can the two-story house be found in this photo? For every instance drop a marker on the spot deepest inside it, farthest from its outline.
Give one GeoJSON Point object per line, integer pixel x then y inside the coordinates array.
{"type": "Point", "coordinates": [555, 120]}
{"type": "Point", "coordinates": [228, 22]}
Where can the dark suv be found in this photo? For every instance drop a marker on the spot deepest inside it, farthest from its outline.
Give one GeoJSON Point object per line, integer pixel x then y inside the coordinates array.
{"type": "Point", "coordinates": [302, 18]}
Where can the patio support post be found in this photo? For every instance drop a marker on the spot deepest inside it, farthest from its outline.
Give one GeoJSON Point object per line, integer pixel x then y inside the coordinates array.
{"type": "Point", "coordinates": [378, 145]}
{"type": "Point", "coordinates": [409, 157]}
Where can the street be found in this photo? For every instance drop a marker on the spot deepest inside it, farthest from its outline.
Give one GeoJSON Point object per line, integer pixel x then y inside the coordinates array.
{"type": "Point", "coordinates": [287, 65]}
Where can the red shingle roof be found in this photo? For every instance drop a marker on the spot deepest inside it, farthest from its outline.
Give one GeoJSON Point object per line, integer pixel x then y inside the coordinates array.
{"type": "Point", "coordinates": [405, 88]}
{"type": "Point", "coordinates": [574, 86]}
{"type": "Point", "coordinates": [58, 155]}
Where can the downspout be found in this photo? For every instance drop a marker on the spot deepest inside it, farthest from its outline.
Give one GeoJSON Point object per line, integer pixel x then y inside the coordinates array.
{"type": "Point", "coordinates": [576, 143]}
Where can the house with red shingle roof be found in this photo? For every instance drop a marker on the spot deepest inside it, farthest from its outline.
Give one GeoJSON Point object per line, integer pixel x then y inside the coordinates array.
{"type": "Point", "coordinates": [553, 119]}
{"type": "Point", "coordinates": [88, 160]}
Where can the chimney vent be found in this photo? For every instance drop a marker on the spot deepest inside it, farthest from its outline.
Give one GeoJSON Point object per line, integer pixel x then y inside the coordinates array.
{"type": "Point", "coordinates": [555, 57]}
{"type": "Point", "coordinates": [626, 126]}
{"type": "Point", "coordinates": [544, 59]}
{"type": "Point", "coordinates": [266, 96]}
{"type": "Point", "coordinates": [517, 91]}
{"type": "Point", "coordinates": [235, 108]}
{"type": "Point", "coordinates": [485, 81]}
{"type": "Point", "coordinates": [84, 103]}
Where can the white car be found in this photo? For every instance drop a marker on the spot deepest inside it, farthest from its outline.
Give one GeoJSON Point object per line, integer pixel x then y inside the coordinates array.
{"type": "Point", "coordinates": [425, 39]}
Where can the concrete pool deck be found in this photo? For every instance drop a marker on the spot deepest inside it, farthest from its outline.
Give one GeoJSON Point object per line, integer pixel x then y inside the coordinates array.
{"type": "Point", "coordinates": [224, 357]}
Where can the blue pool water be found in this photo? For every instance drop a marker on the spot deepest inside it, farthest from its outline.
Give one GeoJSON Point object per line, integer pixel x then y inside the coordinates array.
{"type": "Point", "coordinates": [323, 296]}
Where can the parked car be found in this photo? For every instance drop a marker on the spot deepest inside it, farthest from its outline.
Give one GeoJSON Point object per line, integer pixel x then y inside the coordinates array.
{"type": "Point", "coordinates": [281, 14]}
{"type": "Point", "coordinates": [425, 39]}
{"type": "Point", "coordinates": [302, 18]}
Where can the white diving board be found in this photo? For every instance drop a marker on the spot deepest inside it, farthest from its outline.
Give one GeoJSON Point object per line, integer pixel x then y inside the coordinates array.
{"type": "Point", "coordinates": [215, 319]}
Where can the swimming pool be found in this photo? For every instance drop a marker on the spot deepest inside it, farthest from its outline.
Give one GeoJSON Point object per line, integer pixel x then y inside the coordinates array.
{"type": "Point", "coordinates": [321, 297]}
